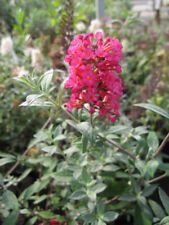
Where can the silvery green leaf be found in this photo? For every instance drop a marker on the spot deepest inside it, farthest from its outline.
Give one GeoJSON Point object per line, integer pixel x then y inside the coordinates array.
{"type": "Point", "coordinates": [154, 108]}
{"type": "Point", "coordinates": [36, 100]}
{"type": "Point", "coordinates": [46, 81]}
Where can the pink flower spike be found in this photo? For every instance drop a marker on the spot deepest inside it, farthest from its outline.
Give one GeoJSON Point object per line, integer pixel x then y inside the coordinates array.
{"type": "Point", "coordinates": [93, 70]}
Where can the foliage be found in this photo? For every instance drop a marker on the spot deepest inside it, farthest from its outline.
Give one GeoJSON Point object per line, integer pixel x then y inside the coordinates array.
{"type": "Point", "coordinates": [12, 119]}
{"type": "Point", "coordinates": [83, 175]}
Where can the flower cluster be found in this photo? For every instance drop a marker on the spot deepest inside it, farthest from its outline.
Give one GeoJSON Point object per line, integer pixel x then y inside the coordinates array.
{"type": "Point", "coordinates": [92, 74]}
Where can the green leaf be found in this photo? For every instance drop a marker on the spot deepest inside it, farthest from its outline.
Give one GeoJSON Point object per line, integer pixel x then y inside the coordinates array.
{"type": "Point", "coordinates": [119, 129]}
{"type": "Point", "coordinates": [140, 165]}
{"type": "Point", "coordinates": [165, 220]}
{"type": "Point", "coordinates": [153, 142]}
{"type": "Point", "coordinates": [32, 221]}
{"type": "Point", "coordinates": [100, 222]}
{"type": "Point", "coordinates": [148, 190]}
{"type": "Point", "coordinates": [36, 100]}
{"type": "Point", "coordinates": [24, 79]}
{"type": "Point", "coordinates": [11, 219]}
{"type": "Point", "coordinates": [100, 208]}
{"type": "Point", "coordinates": [70, 151]}
{"type": "Point", "coordinates": [98, 188]}
{"type": "Point", "coordinates": [36, 187]}
{"type": "Point", "coordinates": [5, 161]}
{"type": "Point", "coordinates": [40, 199]}
{"type": "Point", "coordinates": [91, 194]}
{"type": "Point", "coordinates": [164, 199]}
{"type": "Point", "coordinates": [60, 92]}
{"type": "Point", "coordinates": [86, 130]}
{"type": "Point", "coordinates": [154, 108]}
{"type": "Point", "coordinates": [164, 167]}
{"type": "Point", "coordinates": [140, 218]}
{"type": "Point", "coordinates": [110, 216]}
{"type": "Point", "coordinates": [157, 210]}
{"type": "Point", "coordinates": [24, 174]}
{"type": "Point", "coordinates": [128, 198]}
{"type": "Point", "coordinates": [85, 140]}
{"type": "Point", "coordinates": [25, 211]}
{"type": "Point", "coordinates": [152, 166]}
{"type": "Point", "coordinates": [1, 180]}
{"type": "Point", "coordinates": [51, 150]}
{"type": "Point", "coordinates": [89, 218]}
{"type": "Point", "coordinates": [110, 167]}
{"type": "Point", "coordinates": [77, 195]}
{"type": "Point", "coordinates": [46, 214]}
{"type": "Point", "coordinates": [10, 200]}
{"type": "Point", "coordinates": [46, 81]}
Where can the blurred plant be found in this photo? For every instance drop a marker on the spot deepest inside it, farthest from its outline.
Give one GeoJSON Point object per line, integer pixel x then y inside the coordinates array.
{"type": "Point", "coordinates": [6, 18]}
{"type": "Point", "coordinates": [66, 24]}
{"type": "Point", "coordinates": [12, 123]}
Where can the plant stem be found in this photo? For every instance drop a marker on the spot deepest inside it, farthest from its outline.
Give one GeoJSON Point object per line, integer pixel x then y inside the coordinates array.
{"type": "Point", "coordinates": [69, 115]}
{"type": "Point", "coordinates": [158, 178]}
{"type": "Point", "coordinates": [161, 146]}
{"type": "Point", "coordinates": [49, 120]}
{"type": "Point", "coordinates": [91, 120]}
{"type": "Point", "coordinates": [118, 146]}
{"type": "Point", "coordinates": [111, 200]}
{"type": "Point", "coordinates": [110, 141]}
{"type": "Point", "coordinates": [16, 164]}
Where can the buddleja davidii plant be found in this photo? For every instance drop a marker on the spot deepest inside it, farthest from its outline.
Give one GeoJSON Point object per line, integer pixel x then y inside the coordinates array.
{"type": "Point", "coordinates": [91, 167]}
{"type": "Point", "coordinates": [91, 187]}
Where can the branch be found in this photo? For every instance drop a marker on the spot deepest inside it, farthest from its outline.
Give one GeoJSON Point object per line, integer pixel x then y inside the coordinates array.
{"type": "Point", "coordinates": [16, 164]}
{"type": "Point", "coordinates": [158, 178]}
{"type": "Point", "coordinates": [48, 120]}
{"type": "Point", "coordinates": [111, 200]}
{"type": "Point", "coordinates": [161, 146]}
{"type": "Point", "coordinates": [118, 146]}
{"type": "Point", "coordinates": [69, 115]}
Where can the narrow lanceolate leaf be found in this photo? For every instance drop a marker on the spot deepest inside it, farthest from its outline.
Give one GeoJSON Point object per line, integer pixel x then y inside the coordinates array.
{"type": "Point", "coordinates": [98, 188]}
{"type": "Point", "coordinates": [153, 142]}
{"type": "Point", "coordinates": [4, 161]}
{"type": "Point", "coordinates": [164, 199]}
{"type": "Point", "coordinates": [157, 210]}
{"type": "Point", "coordinates": [35, 100]}
{"type": "Point", "coordinates": [46, 81]}
{"type": "Point", "coordinates": [46, 214]}
{"type": "Point", "coordinates": [77, 195]}
{"type": "Point", "coordinates": [1, 180]}
{"type": "Point", "coordinates": [154, 108]}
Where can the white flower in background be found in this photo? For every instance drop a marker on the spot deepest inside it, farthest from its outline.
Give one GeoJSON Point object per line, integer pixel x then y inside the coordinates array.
{"type": "Point", "coordinates": [28, 40]}
{"type": "Point", "coordinates": [6, 48]}
{"type": "Point", "coordinates": [19, 71]}
{"type": "Point", "coordinates": [80, 26]}
{"type": "Point", "coordinates": [94, 25]}
{"type": "Point", "coordinates": [37, 58]}
{"type": "Point", "coordinates": [28, 51]}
